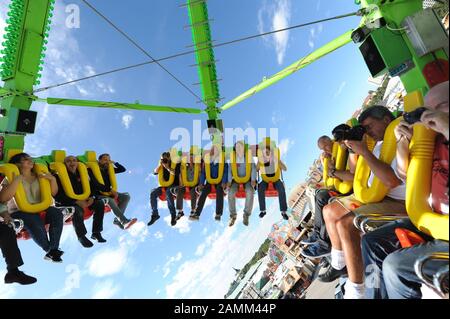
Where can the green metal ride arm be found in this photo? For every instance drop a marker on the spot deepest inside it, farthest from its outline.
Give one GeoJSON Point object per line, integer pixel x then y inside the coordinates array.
{"type": "Point", "coordinates": [116, 105]}
{"type": "Point", "coordinates": [300, 64]}
{"type": "Point", "coordinates": [201, 35]}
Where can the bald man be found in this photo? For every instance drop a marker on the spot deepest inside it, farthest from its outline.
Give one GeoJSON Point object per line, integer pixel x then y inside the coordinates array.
{"type": "Point", "coordinates": [390, 270]}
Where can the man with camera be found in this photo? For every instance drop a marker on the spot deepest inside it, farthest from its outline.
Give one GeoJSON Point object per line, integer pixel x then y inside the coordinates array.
{"type": "Point", "coordinates": [165, 164]}
{"type": "Point", "coordinates": [381, 248]}
{"type": "Point", "coordinates": [345, 237]}
{"type": "Point", "coordinates": [318, 242]}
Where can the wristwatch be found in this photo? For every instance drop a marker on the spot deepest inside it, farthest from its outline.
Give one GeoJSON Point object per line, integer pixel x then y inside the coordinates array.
{"type": "Point", "coordinates": [332, 172]}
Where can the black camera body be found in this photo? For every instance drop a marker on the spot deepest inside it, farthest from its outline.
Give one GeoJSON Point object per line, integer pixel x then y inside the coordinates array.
{"type": "Point", "coordinates": [355, 133]}
{"type": "Point", "coordinates": [414, 116]}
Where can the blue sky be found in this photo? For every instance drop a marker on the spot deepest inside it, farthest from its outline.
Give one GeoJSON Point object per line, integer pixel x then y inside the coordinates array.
{"type": "Point", "coordinates": [192, 260]}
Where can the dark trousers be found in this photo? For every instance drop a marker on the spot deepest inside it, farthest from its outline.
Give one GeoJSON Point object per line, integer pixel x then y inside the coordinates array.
{"type": "Point", "coordinates": [321, 199]}
{"type": "Point", "coordinates": [279, 186]}
{"type": "Point", "coordinates": [97, 223]}
{"type": "Point", "coordinates": [155, 193]}
{"type": "Point", "coordinates": [10, 250]}
{"type": "Point", "coordinates": [376, 247]}
{"type": "Point", "coordinates": [219, 199]}
{"type": "Point", "coordinates": [36, 228]}
{"type": "Point", "coordinates": [180, 198]}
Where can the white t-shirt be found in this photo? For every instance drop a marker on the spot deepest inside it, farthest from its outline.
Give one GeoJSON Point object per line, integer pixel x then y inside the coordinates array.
{"type": "Point", "coordinates": [398, 192]}
{"type": "Point", "coordinates": [32, 192]}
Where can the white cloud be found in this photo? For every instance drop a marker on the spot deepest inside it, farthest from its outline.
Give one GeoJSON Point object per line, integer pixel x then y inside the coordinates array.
{"type": "Point", "coordinates": [285, 145]}
{"type": "Point", "coordinates": [172, 260]}
{"type": "Point", "coordinates": [277, 118]}
{"type": "Point", "coordinates": [6, 291]}
{"type": "Point", "coordinates": [64, 62]}
{"type": "Point", "coordinates": [197, 278]}
{"type": "Point", "coordinates": [278, 16]}
{"type": "Point", "coordinates": [150, 121]}
{"type": "Point", "coordinates": [340, 89]}
{"type": "Point", "coordinates": [105, 289]}
{"type": "Point", "coordinates": [159, 235]}
{"type": "Point", "coordinates": [314, 33]}
{"type": "Point", "coordinates": [206, 243]}
{"type": "Point", "coordinates": [72, 282]}
{"type": "Point", "coordinates": [183, 225]}
{"type": "Point", "coordinates": [126, 120]}
{"type": "Point", "coordinates": [108, 262]}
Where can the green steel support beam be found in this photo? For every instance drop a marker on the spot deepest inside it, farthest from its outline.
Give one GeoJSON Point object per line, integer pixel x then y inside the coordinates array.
{"type": "Point", "coordinates": [115, 105]}
{"type": "Point", "coordinates": [394, 12]}
{"type": "Point", "coordinates": [201, 35]}
{"type": "Point", "coordinates": [21, 59]}
{"type": "Point", "coordinates": [300, 64]}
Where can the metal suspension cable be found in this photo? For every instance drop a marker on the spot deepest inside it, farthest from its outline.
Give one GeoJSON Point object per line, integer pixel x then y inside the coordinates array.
{"type": "Point", "coordinates": [141, 49]}
{"type": "Point", "coordinates": [193, 51]}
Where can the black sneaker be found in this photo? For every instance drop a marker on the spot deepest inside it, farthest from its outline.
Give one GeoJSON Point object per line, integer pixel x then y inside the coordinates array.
{"type": "Point", "coordinates": [98, 237]}
{"type": "Point", "coordinates": [153, 220]}
{"type": "Point", "coordinates": [180, 214]}
{"type": "Point", "coordinates": [218, 217]}
{"type": "Point", "coordinates": [285, 216]}
{"type": "Point", "coordinates": [312, 239]}
{"type": "Point", "coordinates": [173, 220]}
{"type": "Point", "coordinates": [316, 250]}
{"type": "Point", "coordinates": [85, 242]}
{"type": "Point", "coordinates": [54, 256]}
{"type": "Point", "coordinates": [332, 274]}
{"type": "Point", "coordinates": [194, 217]}
{"type": "Point", "coordinates": [262, 214]}
{"type": "Point", "coordinates": [118, 223]}
{"type": "Point", "coordinates": [19, 277]}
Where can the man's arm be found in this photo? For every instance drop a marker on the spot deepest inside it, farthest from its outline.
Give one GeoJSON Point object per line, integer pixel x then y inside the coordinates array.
{"type": "Point", "coordinates": [380, 169]}
{"type": "Point", "coordinates": [119, 168]}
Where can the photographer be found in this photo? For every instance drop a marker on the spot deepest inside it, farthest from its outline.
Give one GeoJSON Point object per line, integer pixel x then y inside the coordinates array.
{"type": "Point", "coordinates": [381, 248]}
{"type": "Point", "coordinates": [165, 164]}
{"type": "Point", "coordinates": [339, 215]}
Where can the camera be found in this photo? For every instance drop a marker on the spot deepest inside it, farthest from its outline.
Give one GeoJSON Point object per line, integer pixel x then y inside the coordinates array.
{"type": "Point", "coordinates": [414, 116]}
{"type": "Point", "coordinates": [165, 161]}
{"type": "Point", "coordinates": [355, 133]}
{"type": "Point", "coordinates": [339, 132]}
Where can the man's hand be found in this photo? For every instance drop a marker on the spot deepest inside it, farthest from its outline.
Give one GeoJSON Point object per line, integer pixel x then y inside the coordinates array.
{"type": "Point", "coordinates": [90, 201]}
{"type": "Point", "coordinates": [403, 130]}
{"type": "Point", "coordinates": [82, 203]}
{"type": "Point", "coordinates": [359, 147]}
{"type": "Point", "coordinates": [6, 218]}
{"type": "Point", "coordinates": [331, 165]}
{"type": "Point", "coordinates": [436, 120]}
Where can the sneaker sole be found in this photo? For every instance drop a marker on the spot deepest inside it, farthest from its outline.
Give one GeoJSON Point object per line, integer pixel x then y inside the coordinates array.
{"type": "Point", "coordinates": [315, 257]}
{"type": "Point", "coordinates": [308, 243]}
{"type": "Point", "coordinates": [132, 222]}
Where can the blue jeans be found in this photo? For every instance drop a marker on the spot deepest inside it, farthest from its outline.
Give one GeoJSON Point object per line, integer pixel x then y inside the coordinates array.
{"type": "Point", "coordinates": [279, 186]}
{"type": "Point", "coordinates": [398, 269]}
{"type": "Point", "coordinates": [34, 225]}
{"type": "Point", "coordinates": [376, 247]}
{"type": "Point", "coordinates": [155, 193]}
